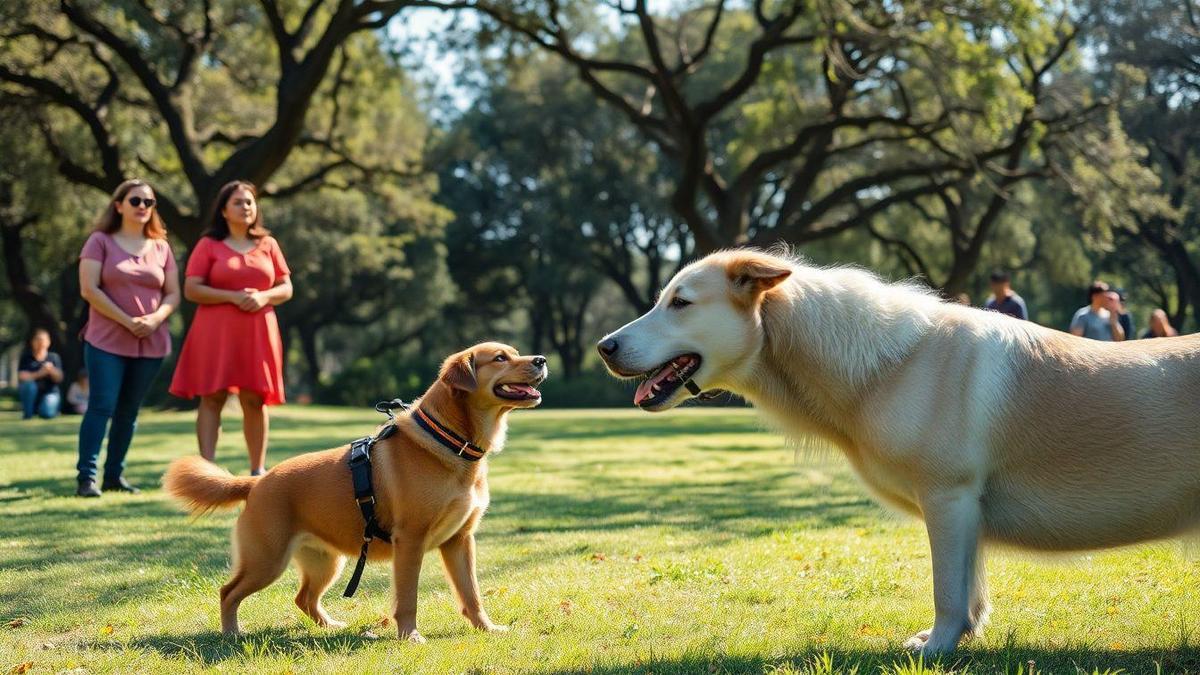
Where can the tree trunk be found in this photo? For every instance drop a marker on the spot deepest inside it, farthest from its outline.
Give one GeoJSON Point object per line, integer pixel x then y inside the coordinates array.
{"type": "Point", "coordinates": [74, 313]}
{"type": "Point", "coordinates": [33, 303]}
{"type": "Point", "coordinates": [1187, 274]}
{"type": "Point", "coordinates": [312, 359]}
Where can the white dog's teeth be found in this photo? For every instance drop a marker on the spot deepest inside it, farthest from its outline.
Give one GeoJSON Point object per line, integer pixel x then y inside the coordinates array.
{"type": "Point", "coordinates": [655, 388]}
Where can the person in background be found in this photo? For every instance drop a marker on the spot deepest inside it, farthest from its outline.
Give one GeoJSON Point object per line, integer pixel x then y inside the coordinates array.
{"type": "Point", "coordinates": [1098, 319]}
{"type": "Point", "coordinates": [1160, 326]}
{"type": "Point", "coordinates": [38, 375]}
{"type": "Point", "coordinates": [77, 393]}
{"type": "Point", "coordinates": [1123, 315]}
{"type": "Point", "coordinates": [237, 274]}
{"type": "Point", "coordinates": [1003, 299]}
{"type": "Point", "coordinates": [963, 299]}
{"type": "Point", "coordinates": [128, 277]}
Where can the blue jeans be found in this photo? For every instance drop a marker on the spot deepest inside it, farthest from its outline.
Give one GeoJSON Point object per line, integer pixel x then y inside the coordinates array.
{"type": "Point", "coordinates": [32, 400]}
{"type": "Point", "coordinates": [118, 385]}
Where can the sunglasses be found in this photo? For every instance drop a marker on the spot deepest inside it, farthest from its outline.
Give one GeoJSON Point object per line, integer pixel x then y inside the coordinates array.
{"type": "Point", "coordinates": [138, 201]}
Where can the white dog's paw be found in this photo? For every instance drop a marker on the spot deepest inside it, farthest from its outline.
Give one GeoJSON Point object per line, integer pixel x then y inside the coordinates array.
{"type": "Point", "coordinates": [916, 643]}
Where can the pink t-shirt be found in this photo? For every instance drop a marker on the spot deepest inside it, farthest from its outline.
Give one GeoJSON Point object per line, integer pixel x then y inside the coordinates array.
{"type": "Point", "coordinates": [135, 284]}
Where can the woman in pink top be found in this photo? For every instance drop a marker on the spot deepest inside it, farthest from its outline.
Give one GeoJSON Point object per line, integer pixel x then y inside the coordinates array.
{"type": "Point", "coordinates": [237, 274]}
{"type": "Point", "coordinates": [128, 277]}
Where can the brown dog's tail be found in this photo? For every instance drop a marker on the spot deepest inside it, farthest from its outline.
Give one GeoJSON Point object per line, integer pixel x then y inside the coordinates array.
{"type": "Point", "coordinates": [203, 486]}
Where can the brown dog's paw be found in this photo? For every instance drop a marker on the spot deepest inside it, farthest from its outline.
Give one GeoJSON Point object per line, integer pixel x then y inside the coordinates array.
{"type": "Point", "coordinates": [412, 637]}
{"type": "Point", "coordinates": [494, 628]}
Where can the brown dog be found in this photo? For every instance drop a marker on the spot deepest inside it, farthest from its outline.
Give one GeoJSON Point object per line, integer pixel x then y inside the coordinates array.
{"type": "Point", "coordinates": [427, 496]}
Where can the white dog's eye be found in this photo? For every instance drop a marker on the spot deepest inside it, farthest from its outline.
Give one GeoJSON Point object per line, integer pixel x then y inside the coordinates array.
{"type": "Point", "coordinates": [679, 303]}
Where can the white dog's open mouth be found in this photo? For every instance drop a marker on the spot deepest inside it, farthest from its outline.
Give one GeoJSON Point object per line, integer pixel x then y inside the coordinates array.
{"type": "Point", "coordinates": [517, 391]}
{"type": "Point", "coordinates": [662, 382]}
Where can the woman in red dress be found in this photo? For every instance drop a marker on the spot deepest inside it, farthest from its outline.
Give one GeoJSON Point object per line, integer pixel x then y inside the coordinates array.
{"type": "Point", "coordinates": [237, 274]}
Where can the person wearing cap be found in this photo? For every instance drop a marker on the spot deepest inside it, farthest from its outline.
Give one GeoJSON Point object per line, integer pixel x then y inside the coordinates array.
{"type": "Point", "coordinates": [1003, 299]}
{"type": "Point", "coordinates": [1099, 319]}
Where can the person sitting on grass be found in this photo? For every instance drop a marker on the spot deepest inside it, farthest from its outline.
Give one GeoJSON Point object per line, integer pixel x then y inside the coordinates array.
{"type": "Point", "coordinates": [39, 373]}
{"type": "Point", "coordinates": [77, 393]}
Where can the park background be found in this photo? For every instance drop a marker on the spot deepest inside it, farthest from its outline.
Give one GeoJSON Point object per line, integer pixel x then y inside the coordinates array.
{"type": "Point", "coordinates": [438, 173]}
{"type": "Point", "coordinates": [533, 171]}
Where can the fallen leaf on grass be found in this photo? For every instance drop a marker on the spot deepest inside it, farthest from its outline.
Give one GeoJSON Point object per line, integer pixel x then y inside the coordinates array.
{"type": "Point", "coordinates": [17, 622]}
{"type": "Point", "coordinates": [566, 607]}
{"type": "Point", "coordinates": [21, 668]}
{"type": "Point", "coordinates": [107, 630]}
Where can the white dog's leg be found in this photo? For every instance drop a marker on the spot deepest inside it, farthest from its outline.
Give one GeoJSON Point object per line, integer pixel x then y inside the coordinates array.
{"type": "Point", "coordinates": [981, 606]}
{"type": "Point", "coordinates": [952, 519]}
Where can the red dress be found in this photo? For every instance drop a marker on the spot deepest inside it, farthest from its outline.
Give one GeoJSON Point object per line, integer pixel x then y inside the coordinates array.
{"type": "Point", "coordinates": [227, 349]}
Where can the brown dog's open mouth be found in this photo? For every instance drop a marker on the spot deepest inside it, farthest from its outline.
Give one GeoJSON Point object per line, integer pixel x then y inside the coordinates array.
{"type": "Point", "coordinates": [517, 391]}
{"type": "Point", "coordinates": [662, 382]}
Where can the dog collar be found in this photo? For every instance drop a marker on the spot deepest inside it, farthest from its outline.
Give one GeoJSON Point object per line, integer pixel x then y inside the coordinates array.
{"type": "Point", "coordinates": [452, 441]}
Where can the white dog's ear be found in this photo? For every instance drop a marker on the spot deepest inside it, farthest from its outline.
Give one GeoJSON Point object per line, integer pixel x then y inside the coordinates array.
{"type": "Point", "coordinates": [756, 273]}
{"type": "Point", "coordinates": [459, 372]}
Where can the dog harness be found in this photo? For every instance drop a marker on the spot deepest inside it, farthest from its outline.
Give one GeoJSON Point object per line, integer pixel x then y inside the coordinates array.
{"type": "Point", "coordinates": [364, 492]}
{"type": "Point", "coordinates": [360, 472]}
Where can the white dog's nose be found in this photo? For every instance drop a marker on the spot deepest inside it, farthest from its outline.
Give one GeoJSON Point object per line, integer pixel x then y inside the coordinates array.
{"type": "Point", "coordinates": [607, 348]}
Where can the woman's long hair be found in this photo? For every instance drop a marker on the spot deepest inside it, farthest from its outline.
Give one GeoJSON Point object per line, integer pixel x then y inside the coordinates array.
{"type": "Point", "coordinates": [109, 220]}
{"type": "Point", "coordinates": [218, 228]}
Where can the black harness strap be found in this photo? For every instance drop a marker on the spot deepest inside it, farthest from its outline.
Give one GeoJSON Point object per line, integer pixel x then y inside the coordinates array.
{"type": "Point", "coordinates": [364, 494]}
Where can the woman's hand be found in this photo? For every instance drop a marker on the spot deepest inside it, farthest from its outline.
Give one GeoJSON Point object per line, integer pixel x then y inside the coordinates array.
{"type": "Point", "coordinates": [144, 326]}
{"type": "Point", "coordinates": [252, 300]}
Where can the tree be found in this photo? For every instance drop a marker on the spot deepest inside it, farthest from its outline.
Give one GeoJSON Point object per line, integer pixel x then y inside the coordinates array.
{"type": "Point", "coordinates": [1151, 54]}
{"type": "Point", "coordinates": [34, 200]}
{"type": "Point", "coordinates": [192, 95]}
{"type": "Point", "coordinates": [552, 195]}
{"type": "Point", "coordinates": [368, 267]}
{"type": "Point", "coordinates": [799, 121]}
{"type": "Point", "coordinates": [209, 92]}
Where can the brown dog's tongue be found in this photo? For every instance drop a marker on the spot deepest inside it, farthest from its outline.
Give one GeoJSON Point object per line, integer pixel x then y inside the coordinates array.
{"type": "Point", "coordinates": [525, 389]}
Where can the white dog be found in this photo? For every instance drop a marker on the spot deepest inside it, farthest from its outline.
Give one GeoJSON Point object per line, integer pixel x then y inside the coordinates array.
{"type": "Point", "coordinates": [988, 428]}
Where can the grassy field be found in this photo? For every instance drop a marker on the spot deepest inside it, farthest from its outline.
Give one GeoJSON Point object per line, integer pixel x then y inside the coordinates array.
{"type": "Point", "coordinates": [690, 542]}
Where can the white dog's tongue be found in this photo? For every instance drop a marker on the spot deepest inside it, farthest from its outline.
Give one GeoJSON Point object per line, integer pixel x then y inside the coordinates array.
{"type": "Point", "coordinates": [645, 389]}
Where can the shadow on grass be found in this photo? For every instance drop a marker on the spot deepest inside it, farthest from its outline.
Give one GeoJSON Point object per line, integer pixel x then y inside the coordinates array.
{"type": "Point", "coordinates": [534, 430]}
{"type": "Point", "coordinates": [211, 648]}
{"type": "Point", "coordinates": [1185, 659]}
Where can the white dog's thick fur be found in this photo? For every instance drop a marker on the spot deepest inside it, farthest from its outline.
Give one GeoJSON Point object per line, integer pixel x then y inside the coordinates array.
{"type": "Point", "coordinates": [990, 429]}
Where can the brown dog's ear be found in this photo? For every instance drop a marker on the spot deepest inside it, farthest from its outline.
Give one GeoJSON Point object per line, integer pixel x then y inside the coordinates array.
{"type": "Point", "coordinates": [459, 372]}
{"type": "Point", "coordinates": [757, 274]}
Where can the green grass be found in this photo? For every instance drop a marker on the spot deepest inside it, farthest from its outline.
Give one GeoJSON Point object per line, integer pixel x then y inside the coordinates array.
{"type": "Point", "coordinates": [617, 541]}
